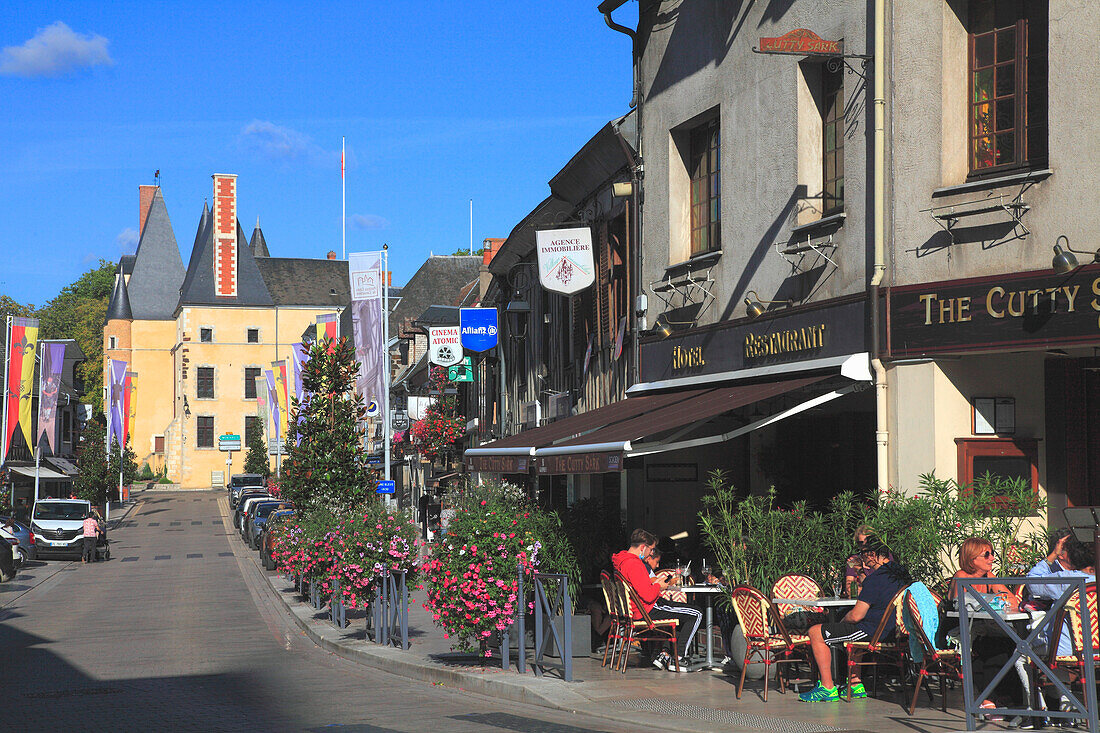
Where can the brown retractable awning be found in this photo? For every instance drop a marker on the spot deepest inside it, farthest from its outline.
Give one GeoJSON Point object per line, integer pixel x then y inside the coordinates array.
{"type": "Point", "coordinates": [597, 441]}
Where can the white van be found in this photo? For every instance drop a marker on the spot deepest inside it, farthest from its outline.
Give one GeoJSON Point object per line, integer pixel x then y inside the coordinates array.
{"type": "Point", "coordinates": [58, 526]}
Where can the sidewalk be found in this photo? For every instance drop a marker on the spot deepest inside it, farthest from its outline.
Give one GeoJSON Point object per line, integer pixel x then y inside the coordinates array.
{"type": "Point", "coordinates": [703, 701]}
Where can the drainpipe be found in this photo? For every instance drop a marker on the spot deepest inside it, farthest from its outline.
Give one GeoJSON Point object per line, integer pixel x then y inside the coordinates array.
{"type": "Point", "coordinates": [636, 175]}
{"type": "Point", "coordinates": [882, 433]}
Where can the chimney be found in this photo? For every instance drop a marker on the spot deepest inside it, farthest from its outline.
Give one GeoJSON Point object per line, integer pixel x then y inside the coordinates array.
{"type": "Point", "coordinates": [225, 235]}
{"type": "Point", "coordinates": [331, 255]}
{"type": "Point", "coordinates": [145, 200]}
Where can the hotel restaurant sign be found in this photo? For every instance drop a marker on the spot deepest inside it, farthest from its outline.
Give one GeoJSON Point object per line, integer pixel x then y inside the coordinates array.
{"type": "Point", "coordinates": [1020, 310]}
{"type": "Point", "coordinates": [834, 329]}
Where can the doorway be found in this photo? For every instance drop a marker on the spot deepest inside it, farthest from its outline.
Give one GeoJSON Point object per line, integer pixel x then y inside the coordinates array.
{"type": "Point", "coordinates": [1073, 430]}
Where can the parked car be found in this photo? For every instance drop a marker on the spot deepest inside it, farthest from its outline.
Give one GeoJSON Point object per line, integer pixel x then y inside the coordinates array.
{"type": "Point", "coordinates": [244, 506]}
{"type": "Point", "coordinates": [257, 518]}
{"type": "Point", "coordinates": [245, 494]}
{"type": "Point", "coordinates": [22, 533]}
{"type": "Point", "coordinates": [58, 526]}
{"type": "Point", "coordinates": [273, 519]}
{"type": "Point", "coordinates": [241, 481]}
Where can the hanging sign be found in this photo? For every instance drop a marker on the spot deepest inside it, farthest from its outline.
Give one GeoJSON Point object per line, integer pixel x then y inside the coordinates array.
{"type": "Point", "coordinates": [478, 328]}
{"type": "Point", "coordinates": [565, 259]}
{"type": "Point", "coordinates": [444, 345]}
{"type": "Point", "coordinates": [462, 372]}
{"type": "Point", "coordinates": [800, 42]}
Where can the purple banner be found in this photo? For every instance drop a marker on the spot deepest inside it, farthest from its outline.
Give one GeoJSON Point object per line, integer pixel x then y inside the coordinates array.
{"type": "Point", "coordinates": [53, 360]}
{"type": "Point", "coordinates": [301, 356]}
{"type": "Point", "coordinates": [366, 318]}
{"type": "Point", "coordinates": [273, 407]}
{"type": "Point", "coordinates": [116, 394]}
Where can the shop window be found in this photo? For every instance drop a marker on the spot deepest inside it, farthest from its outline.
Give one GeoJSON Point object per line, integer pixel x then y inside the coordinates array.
{"type": "Point", "coordinates": [204, 386]}
{"type": "Point", "coordinates": [832, 141]}
{"type": "Point", "coordinates": [253, 335]}
{"type": "Point", "coordinates": [204, 431]}
{"type": "Point", "coordinates": [206, 335]}
{"type": "Point", "coordinates": [1004, 458]}
{"type": "Point", "coordinates": [1007, 74]}
{"type": "Point", "coordinates": [251, 374]}
{"type": "Point", "coordinates": [705, 147]}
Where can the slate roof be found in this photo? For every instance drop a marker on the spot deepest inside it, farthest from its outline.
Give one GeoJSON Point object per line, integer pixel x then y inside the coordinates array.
{"type": "Point", "coordinates": [258, 244]}
{"type": "Point", "coordinates": [157, 274]}
{"type": "Point", "coordinates": [126, 262]}
{"type": "Point", "coordinates": [198, 285]}
{"type": "Point", "coordinates": [300, 281]}
{"type": "Point", "coordinates": [437, 315]}
{"type": "Point", "coordinates": [439, 281]}
{"type": "Point", "coordinates": [119, 306]}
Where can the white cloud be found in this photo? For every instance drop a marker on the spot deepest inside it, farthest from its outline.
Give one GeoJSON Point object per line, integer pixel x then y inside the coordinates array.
{"type": "Point", "coordinates": [127, 240]}
{"type": "Point", "coordinates": [286, 145]}
{"type": "Point", "coordinates": [367, 222]}
{"type": "Point", "coordinates": [53, 51]}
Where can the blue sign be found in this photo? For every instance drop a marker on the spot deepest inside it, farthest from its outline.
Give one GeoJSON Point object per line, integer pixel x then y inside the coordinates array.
{"type": "Point", "coordinates": [478, 328]}
{"type": "Point", "coordinates": [373, 460]}
{"type": "Point", "coordinates": [386, 487]}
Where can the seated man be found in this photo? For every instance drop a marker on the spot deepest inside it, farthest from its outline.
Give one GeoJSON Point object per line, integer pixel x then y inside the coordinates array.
{"type": "Point", "coordinates": [1076, 562]}
{"type": "Point", "coordinates": [630, 564]}
{"type": "Point", "coordinates": [884, 579]}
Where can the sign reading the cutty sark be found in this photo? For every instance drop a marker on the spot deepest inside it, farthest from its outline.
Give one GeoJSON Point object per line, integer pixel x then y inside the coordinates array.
{"type": "Point", "coordinates": [1023, 309]}
{"type": "Point", "coordinates": [565, 259]}
{"type": "Point", "coordinates": [498, 464]}
{"type": "Point", "coordinates": [581, 463]}
{"type": "Point", "coordinates": [800, 42]}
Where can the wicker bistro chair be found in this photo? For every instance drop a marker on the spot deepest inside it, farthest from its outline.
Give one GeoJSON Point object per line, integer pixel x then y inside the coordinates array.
{"type": "Point", "coordinates": [942, 663]}
{"type": "Point", "coordinates": [758, 616]}
{"type": "Point", "coordinates": [617, 633]}
{"type": "Point", "coordinates": [661, 631]}
{"type": "Point", "coordinates": [795, 586]}
{"type": "Point", "coordinates": [1076, 664]}
{"type": "Point", "coordinates": [877, 650]}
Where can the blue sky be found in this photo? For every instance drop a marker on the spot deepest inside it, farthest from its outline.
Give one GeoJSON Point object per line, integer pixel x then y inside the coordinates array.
{"type": "Point", "coordinates": [440, 103]}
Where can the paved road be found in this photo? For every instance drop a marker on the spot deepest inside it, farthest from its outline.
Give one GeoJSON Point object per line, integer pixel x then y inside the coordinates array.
{"type": "Point", "coordinates": [178, 633]}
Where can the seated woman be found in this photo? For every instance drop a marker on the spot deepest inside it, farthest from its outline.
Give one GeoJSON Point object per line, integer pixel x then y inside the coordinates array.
{"type": "Point", "coordinates": [653, 561]}
{"type": "Point", "coordinates": [991, 650]}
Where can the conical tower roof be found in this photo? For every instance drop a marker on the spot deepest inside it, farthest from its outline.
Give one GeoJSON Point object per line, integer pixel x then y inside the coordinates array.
{"type": "Point", "coordinates": [258, 244]}
{"type": "Point", "coordinates": [119, 306]}
{"type": "Point", "coordinates": [154, 284]}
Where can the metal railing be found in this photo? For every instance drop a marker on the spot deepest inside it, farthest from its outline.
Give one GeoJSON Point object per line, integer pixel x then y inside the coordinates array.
{"type": "Point", "coordinates": [316, 600]}
{"type": "Point", "coordinates": [549, 608]}
{"type": "Point", "coordinates": [336, 611]}
{"type": "Point", "coordinates": [1025, 647]}
{"type": "Point", "coordinates": [390, 610]}
{"type": "Point", "coordinates": [520, 625]}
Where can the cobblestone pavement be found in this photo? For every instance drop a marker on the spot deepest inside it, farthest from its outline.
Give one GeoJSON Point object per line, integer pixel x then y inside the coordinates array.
{"type": "Point", "coordinates": [170, 634]}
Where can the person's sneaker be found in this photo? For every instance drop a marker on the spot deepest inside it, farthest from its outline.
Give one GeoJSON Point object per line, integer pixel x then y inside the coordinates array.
{"type": "Point", "coordinates": [858, 691]}
{"type": "Point", "coordinates": [662, 661]}
{"type": "Point", "coordinates": [683, 666]}
{"type": "Point", "coordinates": [820, 694]}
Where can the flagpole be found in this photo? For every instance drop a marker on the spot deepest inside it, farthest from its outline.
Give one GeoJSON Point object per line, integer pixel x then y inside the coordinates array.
{"type": "Point", "coordinates": [343, 204]}
{"type": "Point", "coordinates": [385, 357]}
{"type": "Point", "coordinates": [38, 426]}
{"type": "Point", "coordinates": [7, 369]}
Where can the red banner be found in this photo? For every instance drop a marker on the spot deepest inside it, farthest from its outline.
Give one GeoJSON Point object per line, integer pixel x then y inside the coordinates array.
{"type": "Point", "coordinates": [17, 405]}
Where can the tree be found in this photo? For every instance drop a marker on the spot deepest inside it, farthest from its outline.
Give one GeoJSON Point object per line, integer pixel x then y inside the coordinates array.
{"type": "Point", "coordinates": [129, 467]}
{"type": "Point", "coordinates": [257, 461]}
{"type": "Point", "coordinates": [325, 467]}
{"type": "Point", "coordinates": [11, 307]}
{"type": "Point", "coordinates": [78, 313]}
{"type": "Point", "coordinates": [93, 478]}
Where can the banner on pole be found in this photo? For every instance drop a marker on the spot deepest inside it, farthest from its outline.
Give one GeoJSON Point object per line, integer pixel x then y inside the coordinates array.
{"type": "Point", "coordinates": [261, 402]}
{"type": "Point", "coordinates": [116, 396]}
{"type": "Point", "coordinates": [273, 405]}
{"type": "Point", "coordinates": [327, 330]}
{"type": "Point", "coordinates": [565, 259]}
{"type": "Point", "coordinates": [478, 328]}
{"type": "Point", "coordinates": [128, 405]}
{"type": "Point", "coordinates": [365, 271]}
{"type": "Point", "coordinates": [53, 360]}
{"type": "Point", "coordinates": [444, 345]}
{"type": "Point", "coordinates": [278, 368]}
{"type": "Point", "coordinates": [17, 403]}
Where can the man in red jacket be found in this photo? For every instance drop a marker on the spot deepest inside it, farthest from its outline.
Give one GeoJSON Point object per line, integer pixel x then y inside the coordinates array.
{"type": "Point", "coordinates": [630, 564]}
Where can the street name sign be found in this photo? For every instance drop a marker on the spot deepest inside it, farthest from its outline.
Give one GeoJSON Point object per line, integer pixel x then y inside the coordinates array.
{"type": "Point", "coordinates": [386, 487]}
{"type": "Point", "coordinates": [229, 442]}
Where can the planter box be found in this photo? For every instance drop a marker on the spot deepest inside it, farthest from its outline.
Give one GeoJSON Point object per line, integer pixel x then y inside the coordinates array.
{"type": "Point", "coordinates": [581, 630]}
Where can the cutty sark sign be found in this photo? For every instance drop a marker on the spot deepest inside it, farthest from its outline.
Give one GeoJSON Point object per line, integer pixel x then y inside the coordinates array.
{"type": "Point", "coordinates": [1024, 309]}
{"type": "Point", "coordinates": [800, 42]}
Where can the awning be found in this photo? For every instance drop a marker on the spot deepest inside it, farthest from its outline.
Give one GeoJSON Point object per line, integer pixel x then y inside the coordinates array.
{"type": "Point", "coordinates": [599, 441]}
{"type": "Point", "coordinates": [64, 465]}
{"type": "Point", "coordinates": [43, 473]}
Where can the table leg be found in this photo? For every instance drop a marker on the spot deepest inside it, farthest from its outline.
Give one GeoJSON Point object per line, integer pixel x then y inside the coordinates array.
{"type": "Point", "coordinates": [710, 634]}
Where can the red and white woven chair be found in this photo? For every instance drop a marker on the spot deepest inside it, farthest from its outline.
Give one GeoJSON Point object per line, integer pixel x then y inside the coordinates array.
{"type": "Point", "coordinates": [795, 586]}
{"type": "Point", "coordinates": [767, 641]}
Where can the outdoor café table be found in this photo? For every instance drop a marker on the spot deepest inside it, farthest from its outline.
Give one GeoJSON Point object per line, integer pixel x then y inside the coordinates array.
{"type": "Point", "coordinates": [707, 591]}
{"type": "Point", "coordinates": [831, 604]}
{"type": "Point", "coordinates": [1019, 619]}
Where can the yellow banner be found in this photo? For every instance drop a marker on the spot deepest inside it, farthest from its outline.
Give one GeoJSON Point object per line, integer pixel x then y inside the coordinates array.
{"type": "Point", "coordinates": [26, 382]}
{"type": "Point", "coordinates": [279, 370]}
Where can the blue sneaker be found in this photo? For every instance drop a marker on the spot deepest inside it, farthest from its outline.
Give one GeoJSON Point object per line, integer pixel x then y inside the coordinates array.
{"type": "Point", "coordinates": [858, 691]}
{"type": "Point", "coordinates": [820, 694]}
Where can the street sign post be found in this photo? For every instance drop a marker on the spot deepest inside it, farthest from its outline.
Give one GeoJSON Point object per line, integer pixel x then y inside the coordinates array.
{"type": "Point", "coordinates": [229, 442]}
{"type": "Point", "coordinates": [386, 487]}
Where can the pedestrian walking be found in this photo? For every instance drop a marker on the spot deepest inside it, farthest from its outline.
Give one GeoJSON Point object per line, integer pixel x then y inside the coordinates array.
{"type": "Point", "coordinates": [91, 535]}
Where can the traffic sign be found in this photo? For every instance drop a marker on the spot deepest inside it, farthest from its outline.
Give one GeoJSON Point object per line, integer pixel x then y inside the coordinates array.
{"type": "Point", "coordinates": [229, 442]}
{"type": "Point", "coordinates": [460, 373]}
{"type": "Point", "coordinates": [386, 487]}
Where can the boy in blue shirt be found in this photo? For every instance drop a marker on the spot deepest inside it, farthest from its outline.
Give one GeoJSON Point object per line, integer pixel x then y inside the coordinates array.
{"type": "Point", "coordinates": [883, 582]}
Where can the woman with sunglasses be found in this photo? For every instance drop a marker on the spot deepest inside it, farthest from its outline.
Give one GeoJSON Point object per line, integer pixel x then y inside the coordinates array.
{"type": "Point", "coordinates": [991, 649]}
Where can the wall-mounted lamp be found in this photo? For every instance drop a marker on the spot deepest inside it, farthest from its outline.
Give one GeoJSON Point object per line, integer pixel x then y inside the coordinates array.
{"type": "Point", "coordinates": [622, 190]}
{"type": "Point", "coordinates": [1064, 262]}
{"type": "Point", "coordinates": [755, 306]}
{"type": "Point", "coordinates": [186, 407]}
{"type": "Point", "coordinates": [661, 327]}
